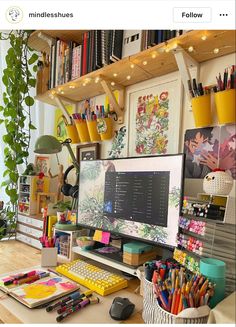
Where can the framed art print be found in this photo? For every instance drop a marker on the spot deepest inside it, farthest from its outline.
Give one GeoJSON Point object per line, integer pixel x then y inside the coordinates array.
{"type": "Point", "coordinates": [87, 152]}
{"type": "Point", "coordinates": [155, 110]}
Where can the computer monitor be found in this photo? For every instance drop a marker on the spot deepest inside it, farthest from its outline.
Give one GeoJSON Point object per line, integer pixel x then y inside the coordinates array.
{"type": "Point", "coordinates": [135, 197]}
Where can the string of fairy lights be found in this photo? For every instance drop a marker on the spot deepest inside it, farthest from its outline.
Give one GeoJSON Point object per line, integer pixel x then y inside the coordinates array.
{"type": "Point", "coordinates": [166, 48]}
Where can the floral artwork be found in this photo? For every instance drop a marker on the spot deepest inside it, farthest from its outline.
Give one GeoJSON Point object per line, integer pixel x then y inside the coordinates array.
{"type": "Point", "coordinates": [152, 120]}
{"type": "Point", "coordinates": [118, 143]}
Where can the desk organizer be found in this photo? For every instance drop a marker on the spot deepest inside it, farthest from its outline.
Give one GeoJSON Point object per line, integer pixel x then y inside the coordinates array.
{"type": "Point", "coordinates": [225, 106]}
{"type": "Point", "coordinates": [201, 107]}
{"type": "Point", "coordinates": [154, 314]}
{"type": "Point", "coordinates": [105, 128]}
{"type": "Point", "coordinates": [93, 132]}
{"type": "Point", "coordinates": [72, 133]}
{"type": "Point", "coordinates": [82, 129]}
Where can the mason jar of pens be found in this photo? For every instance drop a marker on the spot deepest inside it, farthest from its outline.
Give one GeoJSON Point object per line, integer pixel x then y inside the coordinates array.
{"type": "Point", "coordinates": [201, 103]}
{"type": "Point", "coordinates": [225, 96]}
{"type": "Point", "coordinates": [94, 126]}
{"type": "Point", "coordinates": [174, 295]}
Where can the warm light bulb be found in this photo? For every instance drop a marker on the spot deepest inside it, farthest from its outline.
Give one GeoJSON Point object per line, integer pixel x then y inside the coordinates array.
{"type": "Point", "coordinates": [204, 37]}
{"type": "Point", "coordinates": [62, 92]}
{"type": "Point", "coordinates": [128, 77]}
{"type": "Point", "coordinates": [71, 86]}
{"type": "Point", "coordinates": [132, 66]}
{"type": "Point", "coordinates": [115, 74]}
{"type": "Point", "coordinates": [190, 49]}
{"type": "Point", "coordinates": [97, 79]}
{"type": "Point", "coordinates": [84, 84]}
{"type": "Point", "coordinates": [167, 50]}
{"type": "Point", "coordinates": [154, 55]}
{"type": "Point", "coordinates": [216, 50]}
{"type": "Point", "coordinates": [144, 62]}
{"type": "Point", "coordinates": [112, 83]}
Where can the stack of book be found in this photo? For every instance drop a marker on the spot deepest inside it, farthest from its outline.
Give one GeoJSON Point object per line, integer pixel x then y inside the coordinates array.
{"type": "Point", "coordinates": [70, 60]}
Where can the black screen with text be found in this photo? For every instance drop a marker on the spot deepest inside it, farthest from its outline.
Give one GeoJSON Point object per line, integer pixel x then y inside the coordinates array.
{"type": "Point", "coordinates": [138, 196]}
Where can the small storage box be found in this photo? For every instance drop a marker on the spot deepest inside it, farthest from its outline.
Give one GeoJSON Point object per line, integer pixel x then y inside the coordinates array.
{"type": "Point", "coordinates": [136, 253]}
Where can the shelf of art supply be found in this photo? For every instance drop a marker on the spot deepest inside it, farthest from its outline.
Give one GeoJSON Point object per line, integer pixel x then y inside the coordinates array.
{"type": "Point", "coordinates": [115, 264]}
{"type": "Point", "coordinates": [65, 240]}
{"type": "Point", "coordinates": [159, 62]}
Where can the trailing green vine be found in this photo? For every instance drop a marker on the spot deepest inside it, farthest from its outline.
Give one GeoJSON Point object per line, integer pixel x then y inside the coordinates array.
{"type": "Point", "coordinates": [18, 79]}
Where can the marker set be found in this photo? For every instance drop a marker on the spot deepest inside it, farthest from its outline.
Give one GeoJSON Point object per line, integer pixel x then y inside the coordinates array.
{"type": "Point", "coordinates": [196, 89]}
{"type": "Point", "coordinates": [190, 243]}
{"type": "Point", "coordinates": [186, 260]}
{"type": "Point", "coordinates": [205, 210]}
{"type": "Point", "coordinates": [23, 278]}
{"type": "Point", "coordinates": [72, 303]}
{"type": "Point", "coordinates": [191, 225]}
{"type": "Point", "coordinates": [90, 115]}
{"type": "Point", "coordinates": [227, 81]}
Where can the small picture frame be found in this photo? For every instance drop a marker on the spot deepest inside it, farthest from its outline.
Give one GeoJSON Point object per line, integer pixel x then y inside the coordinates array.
{"type": "Point", "coordinates": [87, 152]}
{"type": "Point", "coordinates": [42, 164]}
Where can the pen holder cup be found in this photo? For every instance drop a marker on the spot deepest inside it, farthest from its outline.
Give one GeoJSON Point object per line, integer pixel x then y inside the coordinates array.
{"type": "Point", "coordinates": [72, 133]}
{"type": "Point", "coordinates": [82, 130]}
{"type": "Point", "coordinates": [48, 257]}
{"type": "Point", "coordinates": [201, 107]}
{"type": "Point", "coordinates": [225, 106]}
{"type": "Point", "coordinates": [214, 270]}
{"type": "Point", "coordinates": [154, 314]}
{"type": "Point", "coordinates": [105, 128]}
{"type": "Point", "coordinates": [93, 132]}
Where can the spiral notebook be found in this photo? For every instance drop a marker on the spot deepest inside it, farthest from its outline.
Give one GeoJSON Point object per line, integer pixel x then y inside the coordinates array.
{"type": "Point", "coordinates": [39, 292]}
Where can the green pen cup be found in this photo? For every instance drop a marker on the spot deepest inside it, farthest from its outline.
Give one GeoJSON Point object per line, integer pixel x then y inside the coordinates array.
{"type": "Point", "coordinates": [214, 270]}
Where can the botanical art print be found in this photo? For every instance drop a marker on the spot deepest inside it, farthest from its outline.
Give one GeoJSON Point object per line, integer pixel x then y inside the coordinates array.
{"type": "Point", "coordinates": [152, 119]}
{"type": "Point", "coordinates": [118, 144]}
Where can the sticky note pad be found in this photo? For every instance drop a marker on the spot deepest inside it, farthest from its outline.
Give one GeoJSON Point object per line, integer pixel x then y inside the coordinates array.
{"type": "Point", "coordinates": [97, 236]}
{"type": "Point", "coordinates": [105, 237]}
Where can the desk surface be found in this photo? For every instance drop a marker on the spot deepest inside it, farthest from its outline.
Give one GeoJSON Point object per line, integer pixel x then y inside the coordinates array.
{"type": "Point", "coordinates": [15, 256]}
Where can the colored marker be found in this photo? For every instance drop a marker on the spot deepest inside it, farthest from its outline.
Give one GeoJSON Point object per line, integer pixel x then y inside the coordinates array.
{"type": "Point", "coordinates": [32, 278]}
{"type": "Point", "coordinates": [74, 295]}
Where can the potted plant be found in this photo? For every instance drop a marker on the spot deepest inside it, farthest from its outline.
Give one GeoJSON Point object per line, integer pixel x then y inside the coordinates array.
{"type": "Point", "coordinates": [62, 207]}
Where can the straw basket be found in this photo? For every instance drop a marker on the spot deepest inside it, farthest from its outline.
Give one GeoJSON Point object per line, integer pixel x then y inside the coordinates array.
{"type": "Point", "coordinates": [154, 314]}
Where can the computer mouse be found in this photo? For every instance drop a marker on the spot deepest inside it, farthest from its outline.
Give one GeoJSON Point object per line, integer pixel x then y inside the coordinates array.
{"type": "Point", "coordinates": [121, 308]}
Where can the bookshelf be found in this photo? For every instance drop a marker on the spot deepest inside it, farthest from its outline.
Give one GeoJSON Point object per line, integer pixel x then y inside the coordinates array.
{"type": "Point", "coordinates": [159, 61]}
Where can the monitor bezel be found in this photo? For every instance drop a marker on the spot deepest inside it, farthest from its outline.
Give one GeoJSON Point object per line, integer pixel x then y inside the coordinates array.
{"type": "Point", "coordinates": [167, 246]}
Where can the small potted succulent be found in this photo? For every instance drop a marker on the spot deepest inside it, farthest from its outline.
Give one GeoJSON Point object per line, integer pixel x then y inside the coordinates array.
{"type": "Point", "coordinates": [62, 207]}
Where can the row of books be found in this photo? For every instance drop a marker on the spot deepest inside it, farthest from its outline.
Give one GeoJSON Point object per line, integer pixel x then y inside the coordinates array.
{"type": "Point", "coordinates": [70, 60]}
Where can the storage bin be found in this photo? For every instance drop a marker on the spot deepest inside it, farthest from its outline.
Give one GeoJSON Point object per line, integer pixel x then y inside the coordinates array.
{"type": "Point", "coordinates": [154, 314]}
{"type": "Point", "coordinates": [72, 133]}
{"type": "Point", "coordinates": [201, 107]}
{"type": "Point", "coordinates": [82, 129]}
{"type": "Point", "coordinates": [105, 128]}
{"type": "Point", "coordinates": [93, 132]}
{"type": "Point", "coordinates": [225, 106]}
{"type": "Point", "coordinates": [214, 270]}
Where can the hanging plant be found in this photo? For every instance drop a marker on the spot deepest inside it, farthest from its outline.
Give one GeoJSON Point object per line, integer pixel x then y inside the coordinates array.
{"type": "Point", "coordinates": [18, 79]}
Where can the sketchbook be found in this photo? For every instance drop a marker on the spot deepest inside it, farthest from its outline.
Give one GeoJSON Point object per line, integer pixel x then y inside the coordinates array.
{"type": "Point", "coordinates": [41, 291]}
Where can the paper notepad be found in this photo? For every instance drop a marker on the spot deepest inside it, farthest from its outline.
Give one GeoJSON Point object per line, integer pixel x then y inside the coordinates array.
{"type": "Point", "coordinates": [102, 237]}
{"type": "Point", "coordinates": [41, 291]}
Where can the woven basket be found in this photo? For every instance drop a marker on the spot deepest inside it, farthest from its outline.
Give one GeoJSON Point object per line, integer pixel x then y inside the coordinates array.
{"type": "Point", "coordinates": [154, 314]}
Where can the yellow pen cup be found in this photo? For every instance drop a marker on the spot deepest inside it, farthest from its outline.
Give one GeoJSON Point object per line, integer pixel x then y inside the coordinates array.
{"type": "Point", "coordinates": [225, 106]}
{"type": "Point", "coordinates": [93, 132]}
{"type": "Point", "coordinates": [72, 133]}
{"type": "Point", "coordinates": [105, 128]}
{"type": "Point", "coordinates": [201, 107]}
{"type": "Point", "coordinates": [82, 129]}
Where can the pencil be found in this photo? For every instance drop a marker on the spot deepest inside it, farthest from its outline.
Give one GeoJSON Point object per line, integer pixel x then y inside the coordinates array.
{"type": "Point", "coordinates": [173, 301]}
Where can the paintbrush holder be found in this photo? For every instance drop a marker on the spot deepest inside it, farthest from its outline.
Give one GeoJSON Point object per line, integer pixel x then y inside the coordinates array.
{"type": "Point", "coordinates": [105, 128]}
{"type": "Point", "coordinates": [201, 107]}
{"type": "Point", "coordinates": [72, 133]}
{"type": "Point", "coordinates": [82, 129]}
{"type": "Point", "coordinates": [93, 132]}
{"type": "Point", "coordinates": [225, 106]}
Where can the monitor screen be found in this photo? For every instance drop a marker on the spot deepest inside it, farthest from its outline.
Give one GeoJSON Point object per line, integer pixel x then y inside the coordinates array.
{"type": "Point", "coordinates": [136, 197]}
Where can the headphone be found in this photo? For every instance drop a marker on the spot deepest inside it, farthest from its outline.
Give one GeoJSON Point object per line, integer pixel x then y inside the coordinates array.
{"type": "Point", "coordinates": [67, 189]}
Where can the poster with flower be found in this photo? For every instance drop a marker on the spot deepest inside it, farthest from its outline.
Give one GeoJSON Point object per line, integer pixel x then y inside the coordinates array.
{"type": "Point", "coordinates": [155, 114]}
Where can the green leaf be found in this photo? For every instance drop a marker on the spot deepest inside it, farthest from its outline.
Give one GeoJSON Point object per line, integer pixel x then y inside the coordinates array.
{"type": "Point", "coordinates": [32, 82]}
{"type": "Point", "coordinates": [35, 68]}
{"type": "Point", "coordinates": [33, 58]}
{"type": "Point", "coordinates": [31, 126]}
{"type": "Point", "coordinates": [29, 101]}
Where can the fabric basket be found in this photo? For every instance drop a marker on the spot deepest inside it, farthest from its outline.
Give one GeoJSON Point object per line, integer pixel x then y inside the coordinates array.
{"type": "Point", "coordinates": [154, 314]}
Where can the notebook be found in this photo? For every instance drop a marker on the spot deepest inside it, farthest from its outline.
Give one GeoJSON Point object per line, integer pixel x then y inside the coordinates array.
{"type": "Point", "coordinates": [39, 292]}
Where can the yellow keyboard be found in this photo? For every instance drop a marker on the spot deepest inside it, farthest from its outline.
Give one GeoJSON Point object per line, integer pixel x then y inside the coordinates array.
{"type": "Point", "coordinates": [98, 280]}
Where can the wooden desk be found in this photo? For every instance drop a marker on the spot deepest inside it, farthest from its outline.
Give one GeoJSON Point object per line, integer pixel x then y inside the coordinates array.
{"type": "Point", "coordinates": [15, 255]}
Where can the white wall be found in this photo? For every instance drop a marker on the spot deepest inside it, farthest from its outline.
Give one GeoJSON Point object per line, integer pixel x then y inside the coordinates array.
{"type": "Point", "coordinates": [208, 72]}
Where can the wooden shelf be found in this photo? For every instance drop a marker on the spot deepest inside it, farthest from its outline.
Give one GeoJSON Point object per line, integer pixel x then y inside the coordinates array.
{"type": "Point", "coordinates": [163, 63]}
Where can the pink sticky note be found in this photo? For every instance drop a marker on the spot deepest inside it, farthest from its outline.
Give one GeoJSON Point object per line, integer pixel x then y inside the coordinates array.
{"type": "Point", "coordinates": [105, 237]}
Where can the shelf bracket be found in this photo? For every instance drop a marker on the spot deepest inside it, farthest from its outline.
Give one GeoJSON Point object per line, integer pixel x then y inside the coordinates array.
{"type": "Point", "coordinates": [118, 107]}
{"type": "Point", "coordinates": [61, 105]}
{"type": "Point", "coordinates": [186, 63]}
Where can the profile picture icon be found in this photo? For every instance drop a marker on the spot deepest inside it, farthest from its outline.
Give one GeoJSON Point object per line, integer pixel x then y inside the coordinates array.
{"type": "Point", "coordinates": [14, 15]}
